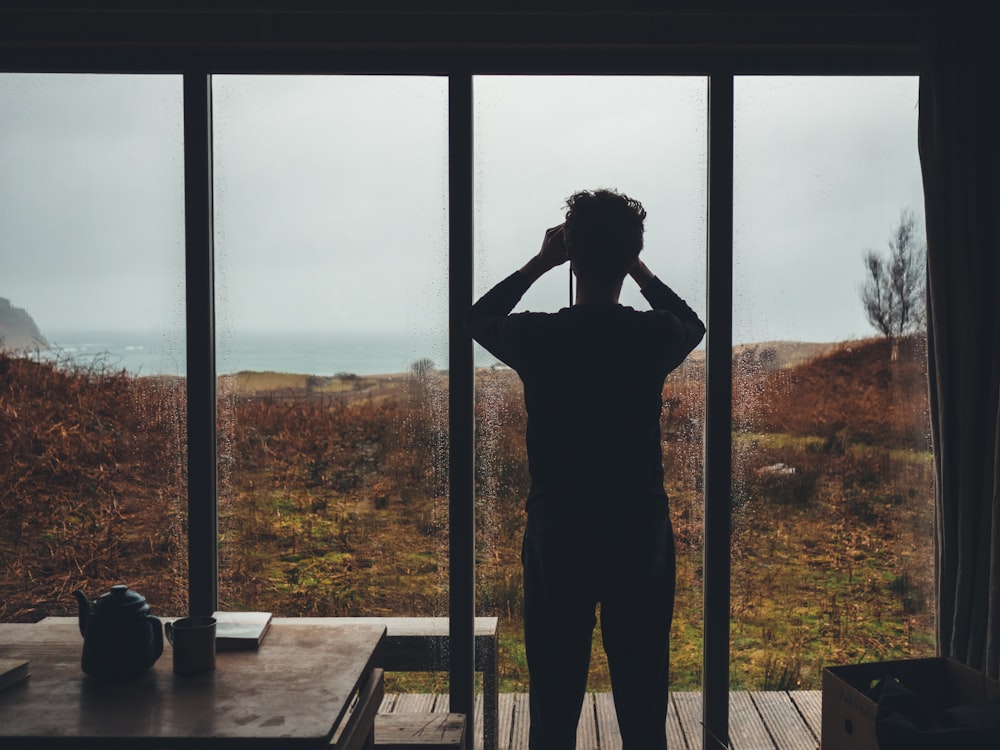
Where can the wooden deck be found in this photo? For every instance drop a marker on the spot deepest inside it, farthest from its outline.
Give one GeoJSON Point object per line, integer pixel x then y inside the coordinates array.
{"type": "Point", "coordinates": [757, 720]}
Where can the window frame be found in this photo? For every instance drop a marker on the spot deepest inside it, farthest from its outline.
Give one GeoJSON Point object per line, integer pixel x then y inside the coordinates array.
{"type": "Point", "coordinates": [719, 65]}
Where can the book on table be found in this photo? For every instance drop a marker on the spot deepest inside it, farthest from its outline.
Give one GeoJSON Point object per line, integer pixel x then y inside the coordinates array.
{"type": "Point", "coordinates": [235, 631]}
{"type": "Point", "coordinates": [12, 671]}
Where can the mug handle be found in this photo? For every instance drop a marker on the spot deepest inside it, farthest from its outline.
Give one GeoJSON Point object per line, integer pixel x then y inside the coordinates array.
{"type": "Point", "coordinates": [169, 628]}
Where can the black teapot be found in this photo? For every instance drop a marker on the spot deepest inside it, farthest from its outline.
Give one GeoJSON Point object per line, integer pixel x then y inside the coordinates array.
{"type": "Point", "coordinates": [121, 639]}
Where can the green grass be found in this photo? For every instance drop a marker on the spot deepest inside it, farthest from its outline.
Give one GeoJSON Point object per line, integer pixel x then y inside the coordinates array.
{"type": "Point", "coordinates": [338, 506]}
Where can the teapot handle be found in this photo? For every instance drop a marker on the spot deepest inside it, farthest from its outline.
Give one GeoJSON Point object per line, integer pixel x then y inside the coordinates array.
{"type": "Point", "coordinates": [157, 635]}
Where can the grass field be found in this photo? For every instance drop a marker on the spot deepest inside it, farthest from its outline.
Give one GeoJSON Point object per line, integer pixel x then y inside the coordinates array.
{"type": "Point", "coordinates": [333, 501]}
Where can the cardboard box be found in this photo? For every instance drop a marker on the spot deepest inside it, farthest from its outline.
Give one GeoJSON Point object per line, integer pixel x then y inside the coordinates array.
{"type": "Point", "coordinates": [848, 721]}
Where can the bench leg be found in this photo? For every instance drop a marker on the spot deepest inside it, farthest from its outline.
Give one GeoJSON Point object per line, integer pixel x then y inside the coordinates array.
{"type": "Point", "coordinates": [491, 699]}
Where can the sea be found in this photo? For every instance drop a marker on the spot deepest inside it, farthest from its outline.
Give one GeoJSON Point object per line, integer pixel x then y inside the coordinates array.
{"type": "Point", "coordinates": [144, 353]}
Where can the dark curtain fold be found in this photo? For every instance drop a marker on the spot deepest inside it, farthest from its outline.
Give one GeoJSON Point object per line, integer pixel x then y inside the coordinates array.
{"type": "Point", "coordinates": [959, 139]}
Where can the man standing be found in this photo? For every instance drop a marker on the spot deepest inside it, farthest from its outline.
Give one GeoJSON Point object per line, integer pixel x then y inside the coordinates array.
{"type": "Point", "coordinates": [598, 529]}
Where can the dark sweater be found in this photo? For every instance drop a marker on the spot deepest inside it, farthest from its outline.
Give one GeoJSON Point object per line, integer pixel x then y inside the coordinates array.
{"type": "Point", "coordinates": [593, 388]}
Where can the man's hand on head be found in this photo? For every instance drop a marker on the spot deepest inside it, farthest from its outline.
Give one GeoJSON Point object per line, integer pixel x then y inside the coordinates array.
{"type": "Point", "coordinates": [554, 250]}
{"type": "Point", "coordinates": [640, 273]}
{"type": "Point", "coordinates": [552, 253]}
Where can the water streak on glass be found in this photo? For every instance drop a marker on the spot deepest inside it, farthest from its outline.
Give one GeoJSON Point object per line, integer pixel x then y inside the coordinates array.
{"type": "Point", "coordinates": [537, 141]}
{"type": "Point", "coordinates": [92, 400]}
{"type": "Point", "coordinates": [331, 251]}
{"type": "Point", "coordinates": [832, 470]}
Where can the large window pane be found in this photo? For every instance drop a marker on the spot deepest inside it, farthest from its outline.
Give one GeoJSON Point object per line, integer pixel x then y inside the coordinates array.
{"type": "Point", "coordinates": [331, 249]}
{"type": "Point", "coordinates": [833, 483]}
{"type": "Point", "coordinates": [92, 425]}
{"type": "Point", "coordinates": [537, 141]}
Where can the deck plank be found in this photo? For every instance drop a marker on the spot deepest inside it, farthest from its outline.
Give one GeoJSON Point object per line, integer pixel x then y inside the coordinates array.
{"type": "Point", "coordinates": [607, 722]}
{"type": "Point", "coordinates": [675, 735]}
{"type": "Point", "coordinates": [783, 721]}
{"type": "Point", "coordinates": [521, 724]}
{"type": "Point", "coordinates": [505, 708]}
{"type": "Point", "coordinates": [810, 705]}
{"type": "Point", "coordinates": [757, 720]}
{"type": "Point", "coordinates": [478, 713]}
{"type": "Point", "coordinates": [586, 728]}
{"type": "Point", "coordinates": [746, 728]}
{"type": "Point", "coordinates": [413, 703]}
{"type": "Point", "coordinates": [689, 716]}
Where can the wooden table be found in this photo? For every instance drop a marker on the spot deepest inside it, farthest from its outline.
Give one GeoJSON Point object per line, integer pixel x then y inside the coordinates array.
{"type": "Point", "coordinates": [309, 685]}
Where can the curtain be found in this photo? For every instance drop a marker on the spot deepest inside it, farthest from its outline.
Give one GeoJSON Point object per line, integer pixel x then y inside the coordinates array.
{"type": "Point", "coordinates": [959, 141]}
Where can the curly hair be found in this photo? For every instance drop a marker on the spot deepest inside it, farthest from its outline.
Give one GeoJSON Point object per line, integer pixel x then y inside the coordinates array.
{"type": "Point", "coordinates": [603, 232]}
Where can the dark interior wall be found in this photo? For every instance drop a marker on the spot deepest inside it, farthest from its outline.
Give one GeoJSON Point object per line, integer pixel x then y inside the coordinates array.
{"type": "Point", "coordinates": [189, 27]}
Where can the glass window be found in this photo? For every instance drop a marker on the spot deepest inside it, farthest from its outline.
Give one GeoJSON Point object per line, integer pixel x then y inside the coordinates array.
{"type": "Point", "coordinates": [92, 416]}
{"type": "Point", "coordinates": [331, 249]}
{"type": "Point", "coordinates": [833, 478]}
{"type": "Point", "coordinates": [537, 141]}
{"type": "Point", "coordinates": [331, 257]}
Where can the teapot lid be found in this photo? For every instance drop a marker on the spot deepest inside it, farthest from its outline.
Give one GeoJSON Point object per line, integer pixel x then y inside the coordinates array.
{"type": "Point", "coordinates": [120, 600]}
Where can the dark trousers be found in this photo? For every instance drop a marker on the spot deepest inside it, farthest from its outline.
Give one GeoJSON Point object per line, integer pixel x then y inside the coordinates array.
{"type": "Point", "coordinates": [624, 561]}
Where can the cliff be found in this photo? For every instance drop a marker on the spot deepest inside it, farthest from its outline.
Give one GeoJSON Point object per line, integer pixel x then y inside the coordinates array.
{"type": "Point", "coordinates": [18, 331]}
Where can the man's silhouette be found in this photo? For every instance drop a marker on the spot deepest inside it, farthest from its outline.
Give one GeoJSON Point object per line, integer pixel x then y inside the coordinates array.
{"type": "Point", "coordinates": [598, 529]}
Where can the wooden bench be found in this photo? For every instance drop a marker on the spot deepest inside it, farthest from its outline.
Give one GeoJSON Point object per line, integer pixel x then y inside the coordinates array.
{"type": "Point", "coordinates": [410, 731]}
{"type": "Point", "coordinates": [402, 731]}
{"type": "Point", "coordinates": [422, 644]}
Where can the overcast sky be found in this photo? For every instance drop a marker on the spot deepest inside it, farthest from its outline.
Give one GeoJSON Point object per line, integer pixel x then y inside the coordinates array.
{"type": "Point", "coordinates": [331, 194]}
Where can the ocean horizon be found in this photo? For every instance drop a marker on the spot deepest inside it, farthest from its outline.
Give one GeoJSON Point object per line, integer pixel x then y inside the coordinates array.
{"type": "Point", "coordinates": [327, 354]}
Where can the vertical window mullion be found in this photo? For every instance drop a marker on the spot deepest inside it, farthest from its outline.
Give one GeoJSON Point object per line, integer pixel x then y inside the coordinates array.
{"type": "Point", "coordinates": [461, 517]}
{"type": "Point", "coordinates": [718, 413]}
{"type": "Point", "coordinates": [203, 565]}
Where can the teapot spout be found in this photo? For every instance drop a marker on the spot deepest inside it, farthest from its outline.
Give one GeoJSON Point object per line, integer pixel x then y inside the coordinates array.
{"type": "Point", "coordinates": [84, 604]}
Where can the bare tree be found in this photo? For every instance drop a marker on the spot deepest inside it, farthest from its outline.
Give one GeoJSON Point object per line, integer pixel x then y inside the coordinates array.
{"type": "Point", "coordinates": [422, 367]}
{"type": "Point", "coordinates": [893, 290]}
